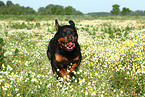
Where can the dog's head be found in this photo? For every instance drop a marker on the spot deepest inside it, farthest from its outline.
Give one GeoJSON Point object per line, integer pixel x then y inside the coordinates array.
{"type": "Point", "coordinates": [67, 35]}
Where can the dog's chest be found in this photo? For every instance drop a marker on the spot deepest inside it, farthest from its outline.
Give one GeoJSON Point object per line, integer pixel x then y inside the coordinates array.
{"type": "Point", "coordinates": [62, 58]}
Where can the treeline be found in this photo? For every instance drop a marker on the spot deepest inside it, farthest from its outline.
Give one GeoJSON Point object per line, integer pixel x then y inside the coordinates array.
{"type": "Point", "coordinates": [137, 13]}
{"type": "Point", "coordinates": [125, 11]}
{"type": "Point", "coordinates": [116, 11]}
{"type": "Point", "coordinates": [132, 13]}
{"type": "Point", "coordinates": [100, 13]}
{"type": "Point", "coordinates": [58, 10]}
{"type": "Point", "coordinates": [15, 9]}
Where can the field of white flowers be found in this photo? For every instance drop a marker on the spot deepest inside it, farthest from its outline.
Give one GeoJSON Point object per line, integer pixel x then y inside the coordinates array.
{"type": "Point", "coordinates": [113, 62]}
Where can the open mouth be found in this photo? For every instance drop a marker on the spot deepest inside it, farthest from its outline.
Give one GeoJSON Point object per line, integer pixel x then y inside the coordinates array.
{"type": "Point", "coordinates": [69, 45]}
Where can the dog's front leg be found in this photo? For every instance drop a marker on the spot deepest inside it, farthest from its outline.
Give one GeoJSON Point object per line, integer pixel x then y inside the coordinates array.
{"type": "Point", "coordinates": [76, 63]}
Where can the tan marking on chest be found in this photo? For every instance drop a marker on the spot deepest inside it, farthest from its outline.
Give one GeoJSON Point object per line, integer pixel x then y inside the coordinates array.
{"type": "Point", "coordinates": [60, 58]}
{"type": "Point", "coordinates": [77, 58]}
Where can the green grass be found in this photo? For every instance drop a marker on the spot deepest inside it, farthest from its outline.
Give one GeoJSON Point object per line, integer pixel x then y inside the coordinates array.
{"type": "Point", "coordinates": [113, 57]}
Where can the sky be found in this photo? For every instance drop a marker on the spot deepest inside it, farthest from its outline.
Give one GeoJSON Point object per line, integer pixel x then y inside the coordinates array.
{"type": "Point", "coordinates": [84, 6]}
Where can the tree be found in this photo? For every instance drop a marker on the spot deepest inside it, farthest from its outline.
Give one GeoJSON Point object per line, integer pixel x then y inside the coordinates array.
{"type": "Point", "coordinates": [53, 9]}
{"type": "Point", "coordinates": [12, 10]}
{"type": "Point", "coordinates": [125, 11]}
{"type": "Point", "coordinates": [77, 13]}
{"type": "Point", "coordinates": [57, 10]}
{"type": "Point", "coordinates": [29, 10]}
{"type": "Point", "coordinates": [2, 3]}
{"type": "Point", "coordinates": [4, 11]}
{"type": "Point", "coordinates": [9, 3]}
{"type": "Point", "coordinates": [20, 12]}
{"type": "Point", "coordinates": [17, 5]}
{"type": "Point", "coordinates": [68, 10]}
{"type": "Point", "coordinates": [48, 9]}
{"type": "Point", "coordinates": [41, 9]}
{"type": "Point", "coordinates": [115, 10]}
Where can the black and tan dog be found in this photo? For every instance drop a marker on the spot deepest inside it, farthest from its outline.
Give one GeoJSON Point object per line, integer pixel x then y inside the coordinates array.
{"type": "Point", "coordinates": [64, 51]}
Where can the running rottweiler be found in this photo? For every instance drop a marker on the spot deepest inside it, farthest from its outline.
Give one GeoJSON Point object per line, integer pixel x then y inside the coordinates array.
{"type": "Point", "coordinates": [64, 51]}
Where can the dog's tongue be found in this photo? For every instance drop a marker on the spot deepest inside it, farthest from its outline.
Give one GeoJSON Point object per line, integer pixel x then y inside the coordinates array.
{"type": "Point", "coordinates": [70, 44]}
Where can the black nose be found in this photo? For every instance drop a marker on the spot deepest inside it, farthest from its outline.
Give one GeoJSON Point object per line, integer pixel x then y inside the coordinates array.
{"type": "Point", "coordinates": [69, 38]}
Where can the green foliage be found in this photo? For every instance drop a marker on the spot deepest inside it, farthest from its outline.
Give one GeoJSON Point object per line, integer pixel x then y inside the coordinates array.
{"type": "Point", "coordinates": [41, 10]}
{"type": "Point", "coordinates": [115, 10]}
{"type": "Point", "coordinates": [24, 25]}
{"type": "Point", "coordinates": [125, 11]}
{"type": "Point", "coordinates": [2, 3]}
{"type": "Point", "coordinates": [100, 13]}
{"type": "Point", "coordinates": [113, 31]}
{"type": "Point", "coordinates": [58, 10]}
{"type": "Point", "coordinates": [1, 52]}
{"type": "Point", "coordinates": [29, 10]}
{"type": "Point", "coordinates": [30, 18]}
{"type": "Point", "coordinates": [130, 13]}
{"type": "Point", "coordinates": [68, 10]}
{"type": "Point", "coordinates": [15, 9]}
{"type": "Point", "coordinates": [137, 12]}
{"type": "Point", "coordinates": [121, 79]}
{"type": "Point", "coordinates": [77, 13]}
{"type": "Point", "coordinates": [9, 3]}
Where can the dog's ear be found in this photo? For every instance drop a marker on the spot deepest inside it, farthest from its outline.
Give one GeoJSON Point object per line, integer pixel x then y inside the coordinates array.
{"type": "Point", "coordinates": [56, 25]}
{"type": "Point", "coordinates": [71, 23]}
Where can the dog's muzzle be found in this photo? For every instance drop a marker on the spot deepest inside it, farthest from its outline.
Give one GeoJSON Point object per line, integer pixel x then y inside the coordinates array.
{"type": "Point", "coordinates": [69, 46]}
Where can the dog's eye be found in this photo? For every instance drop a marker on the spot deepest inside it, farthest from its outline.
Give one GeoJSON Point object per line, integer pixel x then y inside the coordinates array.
{"type": "Point", "coordinates": [64, 30]}
{"type": "Point", "coordinates": [73, 33]}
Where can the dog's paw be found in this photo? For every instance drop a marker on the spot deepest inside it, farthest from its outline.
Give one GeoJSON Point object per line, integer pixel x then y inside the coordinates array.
{"type": "Point", "coordinates": [67, 77]}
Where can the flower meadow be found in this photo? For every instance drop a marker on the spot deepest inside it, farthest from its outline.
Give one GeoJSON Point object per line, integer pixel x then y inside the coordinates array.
{"type": "Point", "coordinates": [113, 62]}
